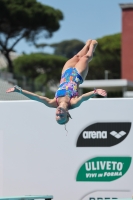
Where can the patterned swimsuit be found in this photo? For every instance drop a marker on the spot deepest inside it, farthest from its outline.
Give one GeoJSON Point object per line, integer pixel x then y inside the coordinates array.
{"type": "Point", "coordinates": [70, 80]}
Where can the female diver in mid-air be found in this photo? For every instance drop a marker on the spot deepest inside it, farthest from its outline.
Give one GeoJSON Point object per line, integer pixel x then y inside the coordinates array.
{"type": "Point", "coordinates": [66, 97]}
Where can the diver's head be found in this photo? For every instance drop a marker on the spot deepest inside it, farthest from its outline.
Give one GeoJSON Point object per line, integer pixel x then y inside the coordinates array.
{"type": "Point", "coordinates": [62, 115]}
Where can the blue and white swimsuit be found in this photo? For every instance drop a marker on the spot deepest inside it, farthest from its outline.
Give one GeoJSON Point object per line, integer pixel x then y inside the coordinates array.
{"type": "Point", "coordinates": [70, 80]}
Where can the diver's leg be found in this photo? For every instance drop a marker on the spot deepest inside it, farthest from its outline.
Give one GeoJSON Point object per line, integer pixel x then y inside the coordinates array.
{"type": "Point", "coordinates": [82, 66]}
{"type": "Point", "coordinates": [75, 59]}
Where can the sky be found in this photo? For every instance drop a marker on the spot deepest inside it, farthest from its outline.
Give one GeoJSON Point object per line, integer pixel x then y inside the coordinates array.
{"type": "Point", "coordinates": [83, 20]}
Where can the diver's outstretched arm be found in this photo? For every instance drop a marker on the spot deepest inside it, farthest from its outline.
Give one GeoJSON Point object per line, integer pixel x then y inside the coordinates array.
{"type": "Point", "coordinates": [48, 102]}
{"type": "Point", "coordinates": [88, 95]}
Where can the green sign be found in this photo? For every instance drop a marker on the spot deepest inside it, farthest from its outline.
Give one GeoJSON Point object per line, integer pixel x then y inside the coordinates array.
{"type": "Point", "coordinates": [103, 169]}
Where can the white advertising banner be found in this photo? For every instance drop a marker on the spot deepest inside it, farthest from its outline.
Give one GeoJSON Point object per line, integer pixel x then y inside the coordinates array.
{"type": "Point", "coordinates": [1, 162]}
{"type": "Point", "coordinates": [93, 161]}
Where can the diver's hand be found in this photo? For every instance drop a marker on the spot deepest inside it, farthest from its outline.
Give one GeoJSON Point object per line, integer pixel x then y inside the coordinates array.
{"type": "Point", "coordinates": [16, 88]}
{"type": "Point", "coordinates": [10, 90]}
{"type": "Point", "coordinates": [100, 92]}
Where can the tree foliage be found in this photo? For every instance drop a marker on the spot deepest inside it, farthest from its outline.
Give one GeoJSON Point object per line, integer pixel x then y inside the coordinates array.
{"type": "Point", "coordinates": [27, 19]}
{"type": "Point", "coordinates": [67, 48]}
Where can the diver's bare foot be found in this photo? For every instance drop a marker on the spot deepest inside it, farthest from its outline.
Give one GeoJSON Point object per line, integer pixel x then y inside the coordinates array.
{"type": "Point", "coordinates": [95, 43]}
{"type": "Point", "coordinates": [88, 42]}
{"type": "Point", "coordinates": [92, 48]}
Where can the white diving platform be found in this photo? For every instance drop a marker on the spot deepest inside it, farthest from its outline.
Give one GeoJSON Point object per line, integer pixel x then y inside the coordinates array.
{"type": "Point", "coordinates": [27, 198]}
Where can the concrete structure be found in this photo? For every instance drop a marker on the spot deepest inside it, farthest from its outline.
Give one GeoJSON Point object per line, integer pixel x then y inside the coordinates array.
{"type": "Point", "coordinates": [4, 85]}
{"type": "Point", "coordinates": [3, 60]}
{"type": "Point", "coordinates": [127, 41]}
{"type": "Point", "coordinates": [6, 78]}
{"type": "Point", "coordinates": [110, 85]}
